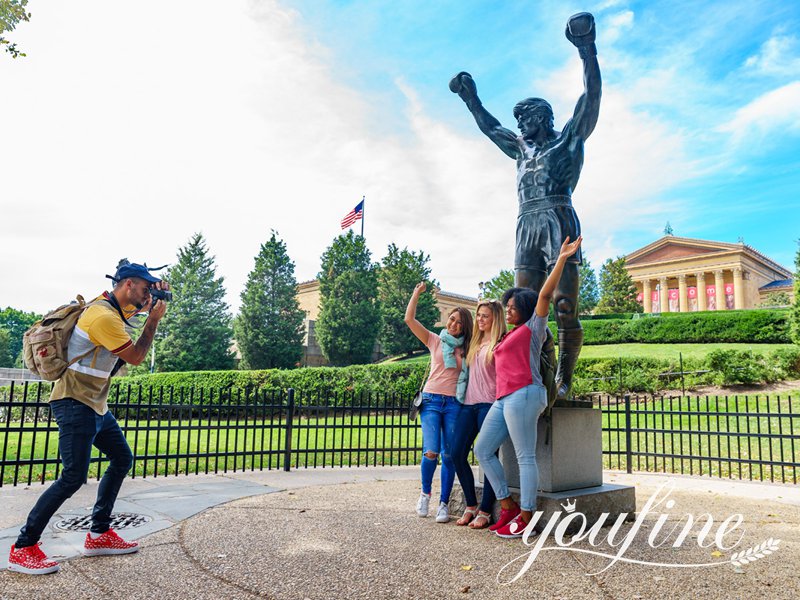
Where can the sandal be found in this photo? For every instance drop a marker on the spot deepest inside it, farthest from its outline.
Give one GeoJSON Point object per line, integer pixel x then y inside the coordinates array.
{"type": "Point", "coordinates": [477, 524]}
{"type": "Point", "coordinates": [468, 512]}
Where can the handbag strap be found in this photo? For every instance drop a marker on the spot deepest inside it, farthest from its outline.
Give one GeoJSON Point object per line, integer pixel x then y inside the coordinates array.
{"type": "Point", "coordinates": [425, 376]}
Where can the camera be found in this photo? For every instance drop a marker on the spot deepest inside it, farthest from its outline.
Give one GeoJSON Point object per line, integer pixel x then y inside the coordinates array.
{"type": "Point", "coordinates": [164, 295]}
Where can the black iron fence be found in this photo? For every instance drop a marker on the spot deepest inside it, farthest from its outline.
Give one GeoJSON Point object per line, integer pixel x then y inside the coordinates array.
{"type": "Point", "coordinates": [190, 431]}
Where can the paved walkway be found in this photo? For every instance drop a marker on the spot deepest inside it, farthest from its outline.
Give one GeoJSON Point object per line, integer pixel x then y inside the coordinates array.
{"type": "Point", "coordinates": [351, 533]}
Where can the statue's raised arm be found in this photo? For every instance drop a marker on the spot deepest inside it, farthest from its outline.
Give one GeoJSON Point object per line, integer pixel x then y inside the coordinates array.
{"type": "Point", "coordinates": [581, 32]}
{"type": "Point", "coordinates": [463, 85]}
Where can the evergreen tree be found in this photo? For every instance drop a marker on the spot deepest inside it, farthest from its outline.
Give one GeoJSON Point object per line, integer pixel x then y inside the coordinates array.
{"type": "Point", "coordinates": [617, 290]}
{"type": "Point", "coordinates": [196, 333]}
{"type": "Point", "coordinates": [350, 317]}
{"type": "Point", "coordinates": [400, 272]}
{"type": "Point", "coordinates": [270, 326]}
{"type": "Point", "coordinates": [796, 307]}
{"type": "Point", "coordinates": [6, 358]}
{"type": "Point", "coordinates": [588, 296]}
{"type": "Point", "coordinates": [497, 285]}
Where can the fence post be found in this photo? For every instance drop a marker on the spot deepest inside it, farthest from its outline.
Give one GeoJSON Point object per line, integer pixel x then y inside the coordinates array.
{"type": "Point", "coordinates": [287, 451]}
{"type": "Point", "coordinates": [620, 375]}
{"type": "Point", "coordinates": [683, 383]}
{"type": "Point", "coordinates": [628, 436]}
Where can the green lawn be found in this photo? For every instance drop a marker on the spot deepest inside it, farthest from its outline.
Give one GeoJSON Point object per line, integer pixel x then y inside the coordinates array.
{"type": "Point", "coordinates": [678, 426]}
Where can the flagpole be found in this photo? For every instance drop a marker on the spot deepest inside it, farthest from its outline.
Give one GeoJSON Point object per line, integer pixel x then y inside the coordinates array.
{"type": "Point", "coordinates": [363, 212]}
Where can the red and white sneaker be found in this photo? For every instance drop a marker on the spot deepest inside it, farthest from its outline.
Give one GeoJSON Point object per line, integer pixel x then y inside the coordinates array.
{"type": "Point", "coordinates": [506, 516]}
{"type": "Point", "coordinates": [108, 543]}
{"type": "Point", "coordinates": [514, 529]}
{"type": "Point", "coordinates": [31, 560]}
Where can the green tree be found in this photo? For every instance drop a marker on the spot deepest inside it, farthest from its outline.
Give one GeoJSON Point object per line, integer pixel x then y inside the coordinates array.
{"type": "Point", "coordinates": [774, 299]}
{"type": "Point", "coordinates": [16, 323]}
{"type": "Point", "coordinates": [196, 333]}
{"type": "Point", "coordinates": [6, 358]}
{"type": "Point", "coordinates": [796, 307]}
{"type": "Point", "coordinates": [617, 290]}
{"type": "Point", "coordinates": [350, 315]}
{"type": "Point", "coordinates": [270, 327]}
{"type": "Point", "coordinates": [589, 295]}
{"type": "Point", "coordinates": [400, 272]}
{"type": "Point", "coordinates": [12, 12]}
{"type": "Point", "coordinates": [497, 285]}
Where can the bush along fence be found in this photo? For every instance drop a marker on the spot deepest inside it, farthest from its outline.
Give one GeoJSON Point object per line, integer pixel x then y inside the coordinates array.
{"type": "Point", "coordinates": [733, 326]}
{"type": "Point", "coordinates": [181, 431]}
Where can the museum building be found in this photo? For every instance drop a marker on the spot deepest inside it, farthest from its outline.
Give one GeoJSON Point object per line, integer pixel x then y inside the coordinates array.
{"type": "Point", "coordinates": [308, 299]}
{"type": "Point", "coordinates": [677, 274]}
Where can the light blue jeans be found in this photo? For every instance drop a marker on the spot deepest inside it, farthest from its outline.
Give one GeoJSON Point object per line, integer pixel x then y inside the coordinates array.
{"type": "Point", "coordinates": [438, 415]}
{"type": "Point", "coordinates": [515, 415]}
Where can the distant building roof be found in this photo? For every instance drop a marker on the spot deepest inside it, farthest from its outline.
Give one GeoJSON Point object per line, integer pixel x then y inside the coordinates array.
{"type": "Point", "coordinates": [781, 283]}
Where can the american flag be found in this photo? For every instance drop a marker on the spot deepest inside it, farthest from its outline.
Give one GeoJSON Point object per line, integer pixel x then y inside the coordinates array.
{"type": "Point", "coordinates": [353, 216]}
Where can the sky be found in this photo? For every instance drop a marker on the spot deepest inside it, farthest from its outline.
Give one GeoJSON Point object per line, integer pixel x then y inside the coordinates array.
{"type": "Point", "coordinates": [130, 127]}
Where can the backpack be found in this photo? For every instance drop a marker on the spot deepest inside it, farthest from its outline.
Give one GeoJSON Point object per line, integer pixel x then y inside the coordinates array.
{"type": "Point", "coordinates": [44, 345]}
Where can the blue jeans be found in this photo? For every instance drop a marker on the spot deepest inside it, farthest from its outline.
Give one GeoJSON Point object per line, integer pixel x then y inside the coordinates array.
{"type": "Point", "coordinates": [437, 415]}
{"type": "Point", "coordinates": [515, 415]}
{"type": "Point", "coordinates": [468, 424]}
{"type": "Point", "coordinates": [79, 427]}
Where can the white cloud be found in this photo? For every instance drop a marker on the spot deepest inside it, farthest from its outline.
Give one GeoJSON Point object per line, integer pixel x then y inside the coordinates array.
{"type": "Point", "coordinates": [779, 55]}
{"type": "Point", "coordinates": [614, 25]}
{"type": "Point", "coordinates": [776, 110]}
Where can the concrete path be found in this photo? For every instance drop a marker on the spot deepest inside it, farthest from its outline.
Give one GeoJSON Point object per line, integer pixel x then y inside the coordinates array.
{"type": "Point", "coordinates": [352, 533]}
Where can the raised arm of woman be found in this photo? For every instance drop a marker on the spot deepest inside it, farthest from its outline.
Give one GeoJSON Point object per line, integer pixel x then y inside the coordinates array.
{"type": "Point", "coordinates": [549, 287]}
{"type": "Point", "coordinates": [417, 328]}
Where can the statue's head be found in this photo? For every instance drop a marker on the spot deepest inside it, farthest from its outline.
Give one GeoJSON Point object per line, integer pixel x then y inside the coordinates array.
{"type": "Point", "coordinates": [532, 114]}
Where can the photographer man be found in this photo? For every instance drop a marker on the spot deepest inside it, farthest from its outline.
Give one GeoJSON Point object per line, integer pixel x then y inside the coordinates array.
{"type": "Point", "coordinates": [78, 403]}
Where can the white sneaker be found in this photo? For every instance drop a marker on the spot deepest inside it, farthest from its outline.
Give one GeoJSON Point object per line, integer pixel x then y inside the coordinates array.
{"type": "Point", "coordinates": [443, 514]}
{"type": "Point", "coordinates": [422, 504]}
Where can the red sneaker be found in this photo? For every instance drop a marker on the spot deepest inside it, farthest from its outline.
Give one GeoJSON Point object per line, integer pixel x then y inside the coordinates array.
{"type": "Point", "coordinates": [31, 560]}
{"type": "Point", "coordinates": [514, 529]}
{"type": "Point", "coordinates": [108, 543]}
{"type": "Point", "coordinates": [506, 516]}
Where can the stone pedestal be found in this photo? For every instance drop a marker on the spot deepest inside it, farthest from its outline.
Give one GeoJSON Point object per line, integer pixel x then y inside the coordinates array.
{"type": "Point", "coordinates": [570, 461]}
{"type": "Point", "coordinates": [570, 457]}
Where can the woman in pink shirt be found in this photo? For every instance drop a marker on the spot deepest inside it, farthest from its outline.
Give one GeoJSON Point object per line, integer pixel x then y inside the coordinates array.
{"type": "Point", "coordinates": [441, 398]}
{"type": "Point", "coordinates": [491, 327]}
{"type": "Point", "coordinates": [521, 398]}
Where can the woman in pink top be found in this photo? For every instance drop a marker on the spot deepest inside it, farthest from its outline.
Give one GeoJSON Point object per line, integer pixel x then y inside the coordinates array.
{"type": "Point", "coordinates": [521, 398]}
{"type": "Point", "coordinates": [441, 398]}
{"type": "Point", "coordinates": [491, 327]}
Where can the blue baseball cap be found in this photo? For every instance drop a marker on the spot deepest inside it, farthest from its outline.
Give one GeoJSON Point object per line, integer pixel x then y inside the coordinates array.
{"type": "Point", "coordinates": [127, 269]}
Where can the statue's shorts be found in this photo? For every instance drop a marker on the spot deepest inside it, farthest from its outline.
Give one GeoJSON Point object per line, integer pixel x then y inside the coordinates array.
{"type": "Point", "coordinates": [542, 226]}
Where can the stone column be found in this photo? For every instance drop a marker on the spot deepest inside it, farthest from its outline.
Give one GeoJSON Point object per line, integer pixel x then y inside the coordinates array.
{"type": "Point", "coordinates": [738, 288]}
{"type": "Point", "coordinates": [683, 300]}
{"type": "Point", "coordinates": [647, 296]}
{"type": "Point", "coordinates": [720, 289]}
{"type": "Point", "coordinates": [664, 295]}
{"type": "Point", "coordinates": [702, 299]}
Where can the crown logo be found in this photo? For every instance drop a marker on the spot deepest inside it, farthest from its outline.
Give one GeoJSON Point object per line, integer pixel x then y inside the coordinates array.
{"type": "Point", "coordinates": [569, 506]}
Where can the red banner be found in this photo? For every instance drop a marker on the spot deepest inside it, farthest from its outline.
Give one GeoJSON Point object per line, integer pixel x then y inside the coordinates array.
{"type": "Point", "coordinates": [728, 289]}
{"type": "Point", "coordinates": [673, 294]}
{"type": "Point", "coordinates": [711, 290]}
{"type": "Point", "coordinates": [692, 292]}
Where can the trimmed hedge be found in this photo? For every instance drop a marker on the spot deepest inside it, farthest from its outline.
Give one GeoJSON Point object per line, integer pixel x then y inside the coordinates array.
{"type": "Point", "coordinates": [641, 374]}
{"type": "Point", "coordinates": [734, 326]}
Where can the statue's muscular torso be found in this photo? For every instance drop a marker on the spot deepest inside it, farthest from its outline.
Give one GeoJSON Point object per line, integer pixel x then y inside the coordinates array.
{"type": "Point", "coordinates": [551, 170]}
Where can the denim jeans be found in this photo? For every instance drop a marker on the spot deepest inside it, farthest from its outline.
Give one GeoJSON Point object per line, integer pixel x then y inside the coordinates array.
{"type": "Point", "coordinates": [515, 415]}
{"type": "Point", "coordinates": [437, 415]}
{"type": "Point", "coordinates": [80, 427]}
{"type": "Point", "coordinates": [468, 424]}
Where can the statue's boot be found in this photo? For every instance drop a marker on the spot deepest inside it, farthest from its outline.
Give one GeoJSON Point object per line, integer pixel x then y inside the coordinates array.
{"type": "Point", "coordinates": [570, 342]}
